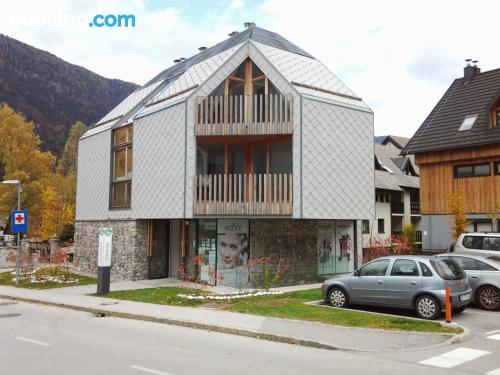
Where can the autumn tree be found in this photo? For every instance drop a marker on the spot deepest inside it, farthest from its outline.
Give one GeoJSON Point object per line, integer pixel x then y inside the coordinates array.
{"type": "Point", "coordinates": [21, 159]}
{"type": "Point", "coordinates": [68, 162]}
{"type": "Point", "coordinates": [456, 203]}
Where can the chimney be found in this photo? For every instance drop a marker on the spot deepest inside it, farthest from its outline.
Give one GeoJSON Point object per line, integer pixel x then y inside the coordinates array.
{"type": "Point", "coordinates": [201, 49]}
{"type": "Point", "coordinates": [182, 58]}
{"type": "Point", "coordinates": [249, 25]}
{"type": "Point", "coordinates": [177, 61]}
{"type": "Point", "coordinates": [470, 71]}
{"type": "Point", "coordinates": [233, 33]}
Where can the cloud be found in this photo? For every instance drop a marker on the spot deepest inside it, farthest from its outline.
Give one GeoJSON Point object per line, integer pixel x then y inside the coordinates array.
{"type": "Point", "coordinates": [400, 57]}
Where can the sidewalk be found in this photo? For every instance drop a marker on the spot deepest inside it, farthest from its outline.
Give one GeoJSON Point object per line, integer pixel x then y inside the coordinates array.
{"type": "Point", "coordinates": [274, 329]}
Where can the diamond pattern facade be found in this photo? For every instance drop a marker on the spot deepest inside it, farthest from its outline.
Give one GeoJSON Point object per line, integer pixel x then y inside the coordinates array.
{"type": "Point", "coordinates": [338, 174]}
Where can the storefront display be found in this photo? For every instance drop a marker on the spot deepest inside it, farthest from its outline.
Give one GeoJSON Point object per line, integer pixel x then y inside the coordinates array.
{"type": "Point", "coordinates": [335, 247]}
{"type": "Point", "coordinates": [232, 252]}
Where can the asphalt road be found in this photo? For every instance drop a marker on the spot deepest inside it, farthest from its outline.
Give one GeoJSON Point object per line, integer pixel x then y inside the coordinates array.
{"type": "Point", "coordinates": [37, 339]}
{"type": "Point", "coordinates": [479, 355]}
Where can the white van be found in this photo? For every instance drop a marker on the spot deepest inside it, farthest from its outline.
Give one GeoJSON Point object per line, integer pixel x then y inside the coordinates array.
{"type": "Point", "coordinates": [487, 244]}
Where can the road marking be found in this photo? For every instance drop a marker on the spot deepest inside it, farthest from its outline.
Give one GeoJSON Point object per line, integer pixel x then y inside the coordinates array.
{"type": "Point", "coordinates": [149, 370]}
{"type": "Point", "coordinates": [454, 358]}
{"type": "Point", "coordinates": [492, 332]}
{"type": "Point", "coordinates": [494, 372]}
{"type": "Point", "coordinates": [494, 337]}
{"type": "Point", "coordinates": [33, 341]}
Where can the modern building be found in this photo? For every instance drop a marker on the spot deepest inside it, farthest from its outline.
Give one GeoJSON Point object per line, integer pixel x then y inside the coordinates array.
{"type": "Point", "coordinates": [251, 148]}
{"type": "Point", "coordinates": [457, 149]}
{"type": "Point", "coordinates": [396, 194]}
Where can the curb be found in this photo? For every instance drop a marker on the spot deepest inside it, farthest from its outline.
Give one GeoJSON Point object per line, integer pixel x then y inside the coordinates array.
{"type": "Point", "coordinates": [464, 336]}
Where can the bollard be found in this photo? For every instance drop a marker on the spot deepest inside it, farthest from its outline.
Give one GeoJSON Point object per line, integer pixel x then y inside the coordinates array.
{"type": "Point", "coordinates": [448, 305]}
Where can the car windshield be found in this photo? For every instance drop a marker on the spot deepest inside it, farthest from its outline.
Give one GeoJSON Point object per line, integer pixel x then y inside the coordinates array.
{"type": "Point", "coordinates": [448, 269]}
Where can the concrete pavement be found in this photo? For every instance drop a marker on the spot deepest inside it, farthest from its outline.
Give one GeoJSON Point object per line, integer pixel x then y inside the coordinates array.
{"type": "Point", "coordinates": [282, 330]}
{"type": "Point", "coordinates": [48, 340]}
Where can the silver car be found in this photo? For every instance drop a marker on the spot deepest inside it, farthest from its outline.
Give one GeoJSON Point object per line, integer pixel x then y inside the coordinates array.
{"type": "Point", "coordinates": [410, 282]}
{"type": "Point", "coordinates": [484, 278]}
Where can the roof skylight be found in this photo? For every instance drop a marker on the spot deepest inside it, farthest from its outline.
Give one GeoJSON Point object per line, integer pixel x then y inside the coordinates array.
{"type": "Point", "coordinates": [468, 123]}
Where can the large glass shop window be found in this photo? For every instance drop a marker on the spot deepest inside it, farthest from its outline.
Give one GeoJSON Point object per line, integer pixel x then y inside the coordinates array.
{"type": "Point", "coordinates": [335, 244]}
{"type": "Point", "coordinates": [207, 250]}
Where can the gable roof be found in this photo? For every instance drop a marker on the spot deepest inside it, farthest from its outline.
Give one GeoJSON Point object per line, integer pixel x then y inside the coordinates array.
{"type": "Point", "coordinates": [397, 181]}
{"type": "Point", "coordinates": [175, 84]}
{"type": "Point", "coordinates": [440, 132]}
{"type": "Point", "coordinates": [397, 141]}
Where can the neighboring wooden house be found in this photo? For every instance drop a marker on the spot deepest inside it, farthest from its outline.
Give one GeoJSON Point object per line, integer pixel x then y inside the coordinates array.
{"type": "Point", "coordinates": [396, 193]}
{"type": "Point", "coordinates": [457, 148]}
{"type": "Point", "coordinates": [249, 148]}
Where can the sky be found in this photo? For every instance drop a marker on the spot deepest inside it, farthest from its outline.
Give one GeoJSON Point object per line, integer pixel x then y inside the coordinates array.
{"type": "Point", "coordinates": [399, 56]}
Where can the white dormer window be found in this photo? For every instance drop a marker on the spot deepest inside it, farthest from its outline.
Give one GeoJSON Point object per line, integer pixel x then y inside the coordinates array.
{"type": "Point", "coordinates": [468, 123]}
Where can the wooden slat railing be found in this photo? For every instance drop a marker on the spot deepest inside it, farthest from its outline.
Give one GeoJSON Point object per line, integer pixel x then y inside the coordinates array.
{"type": "Point", "coordinates": [415, 208]}
{"type": "Point", "coordinates": [243, 114]}
{"type": "Point", "coordinates": [243, 194]}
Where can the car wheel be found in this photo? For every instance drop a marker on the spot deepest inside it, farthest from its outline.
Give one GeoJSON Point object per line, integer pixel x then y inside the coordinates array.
{"type": "Point", "coordinates": [337, 297]}
{"type": "Point", "coordinates": [427, 307]}
{"type": "Point", "coordinates": [488, 298]}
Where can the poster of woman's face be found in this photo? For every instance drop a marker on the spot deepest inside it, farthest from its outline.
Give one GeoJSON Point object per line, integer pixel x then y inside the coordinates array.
{"type": "Point", "coordinates": [233, 249]}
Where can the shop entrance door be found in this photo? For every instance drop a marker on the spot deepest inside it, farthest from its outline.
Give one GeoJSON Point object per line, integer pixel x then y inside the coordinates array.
{"type": "Point", "coordinates": [344, 246]}
{"type": "Point", "coordinates": [158, 248]}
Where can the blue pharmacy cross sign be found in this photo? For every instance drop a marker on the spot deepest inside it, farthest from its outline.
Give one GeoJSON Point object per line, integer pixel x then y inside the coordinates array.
{"type": "Point", "coordinates": [19, 221]}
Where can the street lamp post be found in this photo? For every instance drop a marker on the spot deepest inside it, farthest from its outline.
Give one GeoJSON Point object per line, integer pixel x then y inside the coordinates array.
{"type": "Point", "coordinates": [18, 257]}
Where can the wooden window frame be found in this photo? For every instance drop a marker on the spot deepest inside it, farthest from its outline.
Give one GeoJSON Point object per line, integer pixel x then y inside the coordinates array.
{"type": "Point", "coordinates": [496, 168]}
{"type": "Point", "coordinates": [473, 174]}
{"type": "Point", "coordinates": [127, 180]}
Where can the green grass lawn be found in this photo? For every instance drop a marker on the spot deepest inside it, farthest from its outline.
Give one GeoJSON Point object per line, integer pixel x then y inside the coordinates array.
{"type": "Point", "coordinates": [289, 306]}
{"type": "Point", "coordinates": [6, 278]}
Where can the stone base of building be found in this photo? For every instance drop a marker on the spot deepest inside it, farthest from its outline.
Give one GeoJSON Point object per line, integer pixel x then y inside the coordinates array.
{"type": "Point", "coordinates": [128, 258]}
{"type": "Point", "coordinates": [229, 251]}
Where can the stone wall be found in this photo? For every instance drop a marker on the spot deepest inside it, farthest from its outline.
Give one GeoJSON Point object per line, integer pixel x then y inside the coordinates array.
{"type": "Point", "coordinates": [128, 256]}
{"type": "Point", "coordinates": [291, 240]}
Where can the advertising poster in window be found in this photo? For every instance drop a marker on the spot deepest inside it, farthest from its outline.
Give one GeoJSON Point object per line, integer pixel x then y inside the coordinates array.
{"type": "Point", "coordinates": [326, 248]}
{"type": "Point", "coordinates": [344, 257]}
{"type": "Point", "coordinates": [233, 252]}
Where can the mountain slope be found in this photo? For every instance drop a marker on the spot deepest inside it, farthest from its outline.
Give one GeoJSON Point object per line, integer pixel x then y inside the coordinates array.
{"type": "Point", "coordinates": [53, 93]}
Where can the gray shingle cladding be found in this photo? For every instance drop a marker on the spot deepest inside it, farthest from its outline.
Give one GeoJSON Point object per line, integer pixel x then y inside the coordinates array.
{"type": "Point", "coordinates": [389, 156]}
{"type": "Point", "coordinates": [440, 129]}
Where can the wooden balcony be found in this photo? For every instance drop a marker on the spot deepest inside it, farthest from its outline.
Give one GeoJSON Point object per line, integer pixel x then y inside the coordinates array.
{"type": "Point", "coordinates": [397, 208]}
{"type": "Point", "coordinates": [244, 115]}
{"type": "Point", "coordinates": [243, 194]}
{"type": "Point", "coordinates": [415, 208]}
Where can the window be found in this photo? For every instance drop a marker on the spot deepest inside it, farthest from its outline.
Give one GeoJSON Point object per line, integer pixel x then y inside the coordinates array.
{"type": "Point", "coordinates": [448, 269]}
{"type": "Point", "coordinates": [426, 271]}
{"type": "Point", "coordinates": [365, 226]}
{"type": "Point", "coordinates": [497, 116]}
{"type": "Point", "coordinates": [376, 268]}
{"type": "Point", "coordinates": [472, 170]}
{"type": "Point", "coordinates": [121, 189]}
{"type": "Point", "coordinates": [470, 264]}
{"type": "Point", "coordinates": [468, 123]}
{"type": "Point", "coordinates": [381, 226]}
{"type": "Point", "coordinates": [404, 267]}
{"type": "Point", "coordinates": [497, 168]}
{"type": "Point", "coordinates": [482, 243]}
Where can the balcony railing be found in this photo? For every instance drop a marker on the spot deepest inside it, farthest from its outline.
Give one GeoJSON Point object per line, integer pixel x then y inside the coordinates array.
{"type": "Point", "coordinates": [243, 194]}
{"type": "Point", "coordinates": [415, 208]}
{"type": "Point", "coordinates": [244, 114]}
{"type": "Point", "coordinates": [418, 236]}
{"type": "Point", "coordinates": [397, 207]}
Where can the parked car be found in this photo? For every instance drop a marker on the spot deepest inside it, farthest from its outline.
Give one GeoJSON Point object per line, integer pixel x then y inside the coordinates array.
{"type": "Point", "coordinates": [409, 282]}
{"type": "Point", "coordinates": [487, 244]}
{"type": "Point", "coordinates": [484, 278]}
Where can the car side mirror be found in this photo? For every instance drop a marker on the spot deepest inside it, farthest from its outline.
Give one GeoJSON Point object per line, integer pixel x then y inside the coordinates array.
{"type": "Point", "coordinates": [356, 272]}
